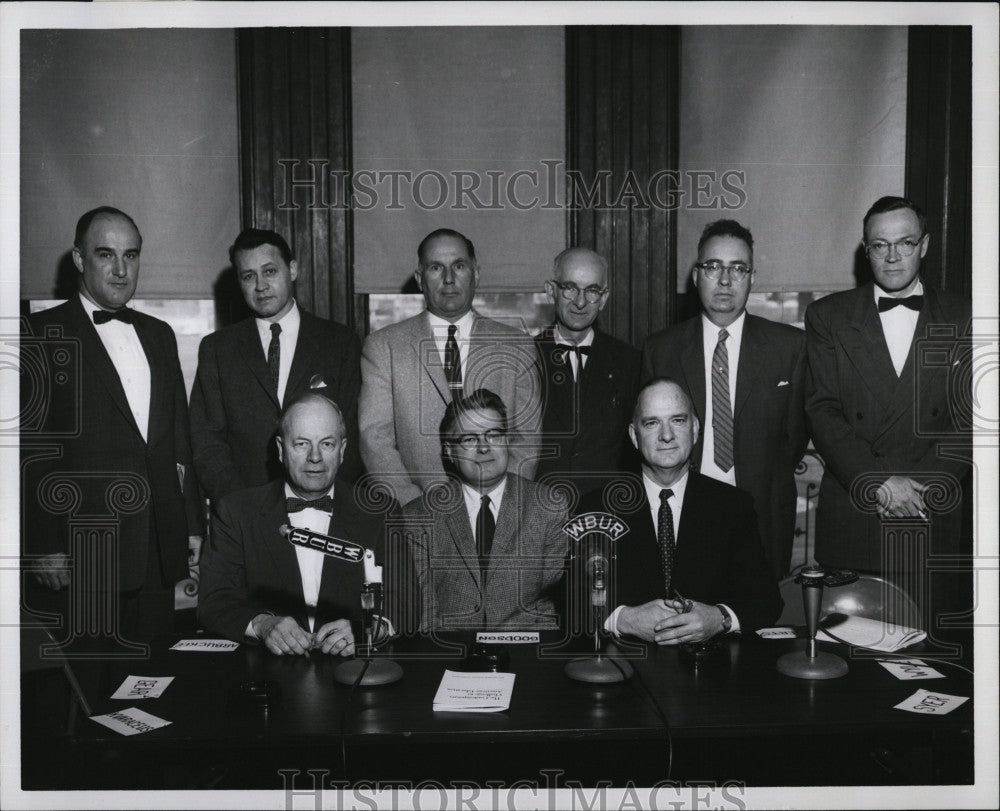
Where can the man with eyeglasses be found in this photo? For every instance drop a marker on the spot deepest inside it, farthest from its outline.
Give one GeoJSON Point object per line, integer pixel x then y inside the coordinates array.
{"type": "Point", "coordinates": [589, 378]}
{"type": "Point", "coordinates": [412, 370]}
{"type": "Point", "coordinates": [487, 545]}
{"type": "Point", "coordinates": [746, 375]}
{"type": "Point", "coordinates": [888, 399]}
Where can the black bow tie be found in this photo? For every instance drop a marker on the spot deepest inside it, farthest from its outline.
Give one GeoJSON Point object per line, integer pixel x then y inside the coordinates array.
{"type": "Point", "coordinates": [124, 314]}
{"type": "Point", "coordinates": [583, 350]}
{"type": "Point", "coordinates": [294, 505]}
{"type": "Point", "coordinates": [913, 302]}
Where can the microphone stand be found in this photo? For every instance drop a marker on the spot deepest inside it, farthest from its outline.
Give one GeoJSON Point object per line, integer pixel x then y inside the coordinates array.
{"type": "Point", "coordinates": [371, 671]}
{"type": "Point", "coordinates": [598, 669]}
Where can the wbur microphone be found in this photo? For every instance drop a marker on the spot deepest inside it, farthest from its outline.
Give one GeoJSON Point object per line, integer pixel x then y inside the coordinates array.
{"type": "Point", "coordinates": [335, 548]}
{"type": "Point", "coordinates": [596, 569]}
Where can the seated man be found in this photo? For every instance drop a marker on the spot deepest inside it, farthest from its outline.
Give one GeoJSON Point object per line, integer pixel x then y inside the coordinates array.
{"type": "Point", "coordinates": [692, 565]}
{"type": "Point", "coordinates": [487, 545]}
{"type": "Point", "coordinates": [258, 585]}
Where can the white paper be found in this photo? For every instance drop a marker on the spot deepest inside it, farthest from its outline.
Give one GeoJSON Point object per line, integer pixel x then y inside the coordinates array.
{"type": "Point", "coordinates": [863, 632]}
{"type": "Point", "coordinates": [910, 669]}
{"type": "Point", "coordinates": [926, 702]}
{"type": "Point", "coordinates": [130, 722]}
{"type": "Point", "coordinates": [143, 687]}
{"type": "Point", "coordinates": [475, 692]}
{"type": "Point", "coordinates": [205, 645]}
{"type": "Point", "coordinates": [508, 637]}
{"type": "Point", "coordinates": [783, 632]}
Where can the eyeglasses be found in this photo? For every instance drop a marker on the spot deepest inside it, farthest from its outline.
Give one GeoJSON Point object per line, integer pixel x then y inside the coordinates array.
{"type": "Point", "coordinates": [570, 291]}
{"type": "Point", "coordinates": [494, 436]}
{"type": "Point", "coordinates": [712, 270]}
{"type": "Point", "coordinates": [880, 248]}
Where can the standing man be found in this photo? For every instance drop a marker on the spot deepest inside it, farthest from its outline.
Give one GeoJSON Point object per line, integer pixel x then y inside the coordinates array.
{"type": "Point", "coordinates": [747, 378]}
{"type": "Point", "coordinates": [259, 586]}
{"type": "Point", "coordinates": [589, 378]}
{"type": "Point", "coordinates": [689, 537]}
{"type": "Point", "coordinates": [410, 371]}
{"type": "Point", "coordinates": [890, 421]}
{"type": "Point", "coordinates": [487, 547]}
{"type": "Point", "coordinates": [124, 451]}
{"type": "Point", "coordinates": [247, 370]}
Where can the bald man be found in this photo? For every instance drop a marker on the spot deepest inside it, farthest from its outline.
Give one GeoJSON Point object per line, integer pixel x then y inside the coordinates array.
{"type": "Point", "coordinates": [256, 585]}
{"type": "Point", "coordinates": [589, 379]}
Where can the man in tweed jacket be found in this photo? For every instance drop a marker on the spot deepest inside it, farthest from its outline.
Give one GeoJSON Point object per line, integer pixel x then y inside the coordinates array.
{"type": "Point", "coordinates": [487, 545]}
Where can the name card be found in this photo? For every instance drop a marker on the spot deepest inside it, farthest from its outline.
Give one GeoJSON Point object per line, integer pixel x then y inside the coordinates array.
{"type": "Point", "coordinates": [132, 721]}
{"type": "Point", "coordinates": [910, 669]}
{"type": "Point", "coordinates": [776, 633]}
{"type": "Point", "coordinates": [143, 687]}
{"type": "Point", "coordinates": [474, 692]}
{"type": "Point", "coordinates": [508, 637]}
{"type": "Point", "coordinates": [205, 645]}
{"type": "Point", "coordinates": [928, 703]}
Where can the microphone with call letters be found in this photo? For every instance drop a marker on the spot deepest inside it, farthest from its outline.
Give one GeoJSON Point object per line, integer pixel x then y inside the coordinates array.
{"type": "Point", "coordinates": [375, 671]}
{"type": "Point", "coordinates": [598, 668]}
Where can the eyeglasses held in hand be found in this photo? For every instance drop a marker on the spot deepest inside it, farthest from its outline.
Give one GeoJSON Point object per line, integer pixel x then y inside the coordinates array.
{"type": "Point", "coordinates": [713, 270]}
{"type": "Point", "coordinates": [570, 291]}
{"type": "Point", "coordinates": [494, 436]}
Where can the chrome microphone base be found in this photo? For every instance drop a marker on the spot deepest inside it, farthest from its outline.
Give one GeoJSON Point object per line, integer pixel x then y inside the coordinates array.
{"type": "Point", "coordinates": [598, 670]}
{"type": "Point", "coordinates": [800, 665]}
{"type": "Point", "coordinates": [379, 672]}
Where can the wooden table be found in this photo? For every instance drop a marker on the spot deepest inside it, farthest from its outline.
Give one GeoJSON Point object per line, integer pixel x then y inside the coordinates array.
{"type": "Point", "coordinates": [731, 717]}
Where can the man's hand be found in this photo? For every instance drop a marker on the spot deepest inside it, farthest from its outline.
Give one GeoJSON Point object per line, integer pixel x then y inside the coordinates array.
{"type": "Point", "coordinates": [901, 497]}
{"type": "Point", "coordinates": [53, 571]}
{"type": "Point", "coordinates": [335, 637]}
{"type": "Point", "coordinates": [700, 623]}
{"type": "Point", "coordinates": [194, 550]}
{"type": "Point", "coordinates": [282, 635]}
{"type": "Point", "coordinates": [641, 620]}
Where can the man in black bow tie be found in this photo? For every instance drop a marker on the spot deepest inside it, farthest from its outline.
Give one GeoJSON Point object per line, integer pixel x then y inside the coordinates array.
{"type": "Point", "coordinates": [256, 585]}
{"type": "Point", "coordinates": [888, 406]}
{"type": "Point", "coordinates": [112, 409]}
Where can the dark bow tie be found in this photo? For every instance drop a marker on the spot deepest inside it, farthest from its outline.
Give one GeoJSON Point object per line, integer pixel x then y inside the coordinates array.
{"type": "Point", "coordinates": [294, 505]}
{"type": "Point", "coordinates": [913, 302]}
{"type": "Point", "coordinates": [583, 350]}
{"type": "Point", "coordinates": [124, 314]}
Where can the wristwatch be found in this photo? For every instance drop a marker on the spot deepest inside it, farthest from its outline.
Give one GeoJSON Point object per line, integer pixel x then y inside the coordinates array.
{"type": "Point", "coordinates": [727, 621]}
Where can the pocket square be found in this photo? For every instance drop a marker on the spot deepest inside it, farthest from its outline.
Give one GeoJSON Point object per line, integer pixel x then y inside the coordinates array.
{"type": "Point", "coordinates": [317, 382]}
{"type": "Point", "coordinates": [781, 383]}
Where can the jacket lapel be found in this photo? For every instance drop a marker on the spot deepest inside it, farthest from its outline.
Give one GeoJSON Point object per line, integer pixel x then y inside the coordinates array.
{"type": "Point", "coordinates": [253, 356]}
{"type": "Point", "coordinates": [430, 359]}
{"type": "Point", "coordinates": [558, 383]}
{"type": "Point", "coordinates": [281, 550]}
{"type": "Point", "coordinates": [693, 364]}
{"type": "Point", "coordinates": [748, 365]}
{"type": "Point", "coordinates": [306, 348]}
{"type": "Point", "coordinates": [864, 344]}
{"type": "Point", "coordinates": [461, 535]}
{"type": "Point", "coordinates": [96, 356]}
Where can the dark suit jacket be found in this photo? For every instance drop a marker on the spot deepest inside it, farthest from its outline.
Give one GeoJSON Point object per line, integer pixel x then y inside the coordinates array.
{"type": "Point", "coordinates": [234, 412]}
{"type": "Point", "coordinates": [526, 562]}
{"type": "Point", "coordinates": [86, 416]}
{"type": "Point", "coordinates": [719, 557]}
{"type": "Point", "coordinates": [248, 568]}
{"type": "Point", "coordinates": [869, 424]}
{"type": "Point", "coordinates": [589, 436]}
{"type": "Point", "coordinates": [769, 426]}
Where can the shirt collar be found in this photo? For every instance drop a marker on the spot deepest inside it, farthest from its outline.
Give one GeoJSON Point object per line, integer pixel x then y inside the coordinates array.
{"type": "Point", "coordinates": [89, 305]}
{"type": "Point", "coordinates": [918, 290]}
{"type": "Point", "coordinates": [289, 493]}
{"type": "Point", "coordinates": [587, 340]}
{"type": "Point", "coordinates": [653, 489]}
{"type": "Point", "coordinates": [289, 322]}
{"type": "Point", "coordinates": [735, 329]}
{"type": "Point", "coordinates": [464, 324]}
{"type": "Point", "coordinates": [473, 497]}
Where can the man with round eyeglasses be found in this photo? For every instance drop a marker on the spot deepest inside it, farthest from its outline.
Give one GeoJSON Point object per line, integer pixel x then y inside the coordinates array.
{"type": "Point", "coordinates": [746, 375]}
{"type": "Point", "coordinates": [487, 545]}
{"type": "Point", "coordinates": [589, 379]}
{"type": "Point", "coordinates": [888, 402]}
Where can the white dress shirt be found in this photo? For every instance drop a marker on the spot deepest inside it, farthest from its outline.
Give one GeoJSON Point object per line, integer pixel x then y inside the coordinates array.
{"type": "Point", "coordinates": [130, 361]}
{"type": "Point", "coordinates": [710, 337]}
{"type": "Point", "coordinates": [898, 326]}
{"type": "Point", "coordinates": [473, 501]}
{"type": "Point", "coordinates": [676, 502]}
{"type": "Point", "coordinates": [287, 339]}
{"type": "Point", "coordinates": [463, 337]}
{"type": "Point", "coordinates": [587, 340]}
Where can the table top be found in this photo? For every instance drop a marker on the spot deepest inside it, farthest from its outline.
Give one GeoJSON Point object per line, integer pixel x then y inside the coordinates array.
{"type": "Point", "coordinates": [734, 692]}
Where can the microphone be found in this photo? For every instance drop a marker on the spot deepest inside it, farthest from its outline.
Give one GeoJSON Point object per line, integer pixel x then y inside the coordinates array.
{"type": "Point", "coordinates": [596, 573]}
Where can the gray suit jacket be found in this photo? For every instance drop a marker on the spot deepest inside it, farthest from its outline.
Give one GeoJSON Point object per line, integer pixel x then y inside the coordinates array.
{"type": "Point", "coordinates": [526, 562]}
{"type": "Point", "coordinates": [404, 394]}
